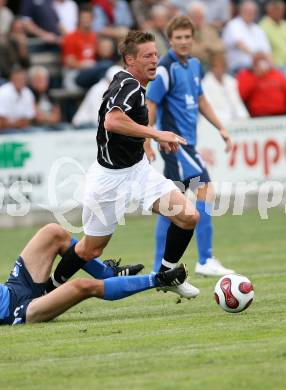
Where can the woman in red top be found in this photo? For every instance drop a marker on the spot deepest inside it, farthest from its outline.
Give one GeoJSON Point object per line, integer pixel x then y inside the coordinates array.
{"type": "Point", "coordinates": [263, 88]}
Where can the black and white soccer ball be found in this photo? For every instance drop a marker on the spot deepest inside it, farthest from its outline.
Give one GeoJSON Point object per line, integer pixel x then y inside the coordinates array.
{"type": "Point", "coordinates": [234, 293]}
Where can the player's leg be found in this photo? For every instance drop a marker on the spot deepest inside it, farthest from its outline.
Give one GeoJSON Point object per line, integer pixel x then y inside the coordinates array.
{"type": "Point", "coordinates": [41, 251]}
{"type": "Point", "coordinates": [207, 265]}
{"type": "Point", "coordinates": [204, 228]}
{"type": "Point", "coordinates": [179, 235]}
{"type": "Point", "coordinates": [104, 205]}
{"type": "Point", "coordinates": [69, 294]}
{"type": "Point", "coordinates": [162, 226]}
{"type": "Point", "coordinates": [176, 166]}
{"type": "Point", "coordinates": [183, 216]}
{"type": "Point", "coordinates": [61, 299]}
{"type": "Point", "coordinates": [108, 268]}
{"type": "Point", "coordinates": [76, 257]}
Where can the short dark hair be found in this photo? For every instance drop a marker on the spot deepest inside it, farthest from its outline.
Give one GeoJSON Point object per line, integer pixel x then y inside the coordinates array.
{"type": "Point", "coordinates": [129, 45]}
{"type": "Point", "coordinates": [179, 23]}
{"type": "Point", "coordinates": [17, 68]}
{"type": "Point", "coordinates": [85, 7]}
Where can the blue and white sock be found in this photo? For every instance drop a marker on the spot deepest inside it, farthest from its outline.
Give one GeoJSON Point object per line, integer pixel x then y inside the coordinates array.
{"type": "Point", "coordinates": [124, 286]}
{"type": "Point", "coordinates": [96, 267]}
{"type": "Point", "coordinates": [204, 231]}
{"type": "Point", "coordinates": [162, 227]}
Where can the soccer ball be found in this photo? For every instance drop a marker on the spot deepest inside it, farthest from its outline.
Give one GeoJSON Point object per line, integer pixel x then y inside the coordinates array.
{"type": "Point", "coordinates": [234, 293]}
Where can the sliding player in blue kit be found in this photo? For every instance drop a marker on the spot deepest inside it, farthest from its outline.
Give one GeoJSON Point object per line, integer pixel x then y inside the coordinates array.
{"type": "Point", "coordinates": [174, 100]}
{"type": "Point", "coordinates": [24, 299]}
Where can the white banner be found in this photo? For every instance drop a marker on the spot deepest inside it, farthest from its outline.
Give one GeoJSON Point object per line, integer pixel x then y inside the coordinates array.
{"type": "Point", "coordinates": [44, 169]}
{"type": "Point", "coordinates": [259, 151]}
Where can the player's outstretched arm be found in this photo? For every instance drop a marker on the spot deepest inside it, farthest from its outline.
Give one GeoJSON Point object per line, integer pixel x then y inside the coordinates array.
{"type": "Point", "coordinates": [207, 111]}
{"type": "Point", "coordinates": [118, 122]}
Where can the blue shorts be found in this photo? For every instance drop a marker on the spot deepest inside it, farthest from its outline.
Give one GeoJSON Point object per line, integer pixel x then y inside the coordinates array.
{"type": "Point", "coordinates": [185, 165]}
{"type": "Point", "coordinates": [22, 291]}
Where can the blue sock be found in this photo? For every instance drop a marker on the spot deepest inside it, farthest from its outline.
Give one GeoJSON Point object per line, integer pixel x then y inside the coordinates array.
{"type": "Point", "coordinates": [96, 267]}
{"type": "Point", "coordinates": [123, 286]}
{"type": "Point", "coordinates": [204, 231]}
{"type": "Point", "coordinates": [162, 227]}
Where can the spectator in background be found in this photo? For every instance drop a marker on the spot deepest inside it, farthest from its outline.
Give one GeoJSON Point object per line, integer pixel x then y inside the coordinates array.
{"type": "Point", "coordinates": [206, 38]}
{"type": "Point", "coordinates": [222, 92]}
{"type": "Point", "coordinates": [218, 12]}
{"type": "Point", "coordinates": [106, 50]}
{"type": "Point", "coordinates": [141, 12]}
{"type": "Point", "coordinates": [79, 52]}
{"type": "Point", "coordinates": [263, 88]}
{"type": "Point", "coordinates": [16, 101]}
{"type": "Point", "coordinates": [159, 18]}
{"type": "Point", "coordinates": [6, 18]}
{"type": "Point", "coordinates": [40, 20]}
{"type": "Point", "coordinates": [13, 48]}
{"type": "Point", "coordinates": [261, 4]}
{"type": "Point", "coordinates": [112, 18]}
{"type": "Point", "coordinates": [274, 26]}
{"type": "Point", "coordinates": [67, 12]}
{"type": "Point", "coordinates": [19, 41]}
{"type": "Point", "coordinates": [47, 112]}
{"type": "Point", "coordinates": [87, 113]}
{"type": "Point", "coordinates": [243, 38]}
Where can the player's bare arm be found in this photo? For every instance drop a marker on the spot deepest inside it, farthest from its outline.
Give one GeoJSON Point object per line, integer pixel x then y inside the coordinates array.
{"type": "Point", "coordinates": [118, 122]}
{"type": "Point", "coordinates": [207, 111]}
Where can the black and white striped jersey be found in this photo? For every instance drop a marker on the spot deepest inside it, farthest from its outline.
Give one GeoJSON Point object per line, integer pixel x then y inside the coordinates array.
{"type": "Point", "coordinates": [117, 151]}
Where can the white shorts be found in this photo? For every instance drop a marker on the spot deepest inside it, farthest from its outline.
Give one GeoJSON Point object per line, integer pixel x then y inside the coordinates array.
{"type": "Point", "coordinates": [111, 193]}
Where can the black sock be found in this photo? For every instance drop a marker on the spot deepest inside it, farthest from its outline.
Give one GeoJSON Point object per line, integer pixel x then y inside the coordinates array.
{"type": "Point", "coordinates": [176, 243]}
{"type": "Point", "coordinates": [67, 267]}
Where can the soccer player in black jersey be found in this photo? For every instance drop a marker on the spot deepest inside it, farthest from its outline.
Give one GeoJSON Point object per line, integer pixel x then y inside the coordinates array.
{"type": "Point", "coordinates": [122, 174]}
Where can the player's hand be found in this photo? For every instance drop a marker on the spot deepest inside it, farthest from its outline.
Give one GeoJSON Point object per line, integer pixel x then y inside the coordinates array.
{"type": "Point", "coordinates": [169, 141]}
{"type": "Point", "coordinates": [225, 136]}
{"type": "Point", "coordinates": [150, 153]}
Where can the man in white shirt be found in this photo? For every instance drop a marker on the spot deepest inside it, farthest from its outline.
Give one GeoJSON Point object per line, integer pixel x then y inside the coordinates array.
{"type": "Point", "coordinates": [6, 18]}
{"type": "Point", "coordinates": [243, 38]}
{"type": "Point", "coordinates": [222, 92]}
{"type": "Point", "coordinates": [67, 11]}
{"type": "Point", "coordinates": [17, 104]}
{"type": "Point", "coordinates": [87, 113]}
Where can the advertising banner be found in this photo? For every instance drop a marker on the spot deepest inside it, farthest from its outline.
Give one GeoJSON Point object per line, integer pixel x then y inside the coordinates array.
{"type": "Point", "coordinates": [45, 170]}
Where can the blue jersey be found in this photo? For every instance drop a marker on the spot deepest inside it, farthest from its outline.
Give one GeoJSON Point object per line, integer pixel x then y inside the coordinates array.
{"type": "Point", "coordinates": [4, 302]}
{"type": "Point", "coordinates": [176, 91]}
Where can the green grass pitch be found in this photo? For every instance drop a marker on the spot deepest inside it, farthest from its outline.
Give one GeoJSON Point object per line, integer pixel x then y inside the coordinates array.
{"type": "Point", "coordinates": [148, 341]}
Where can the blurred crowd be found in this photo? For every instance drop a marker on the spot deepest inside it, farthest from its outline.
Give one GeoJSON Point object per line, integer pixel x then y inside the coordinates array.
{"type": "Point", "coordinates": [58, 56]}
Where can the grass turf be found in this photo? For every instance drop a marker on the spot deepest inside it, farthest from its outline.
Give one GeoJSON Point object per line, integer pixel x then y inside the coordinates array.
{"type": "Point", "coordinates": [148, 341]}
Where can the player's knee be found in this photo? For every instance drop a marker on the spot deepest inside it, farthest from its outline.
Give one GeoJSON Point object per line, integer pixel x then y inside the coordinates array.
{"type": "Point", "coordinates": [87, 253]}
{"type": "Point", "coordinates": [88, 288]}
{"type": "Point", "coordinates": [56, 232]}
{"type": "Point", "coordinates": [189, 221]}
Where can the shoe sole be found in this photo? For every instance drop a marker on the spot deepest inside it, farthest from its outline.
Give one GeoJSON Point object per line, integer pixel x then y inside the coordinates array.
{"type": "Point", "coordinates": [179, 295]}
{"type": "Point", "coordinates": [211, 275]}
